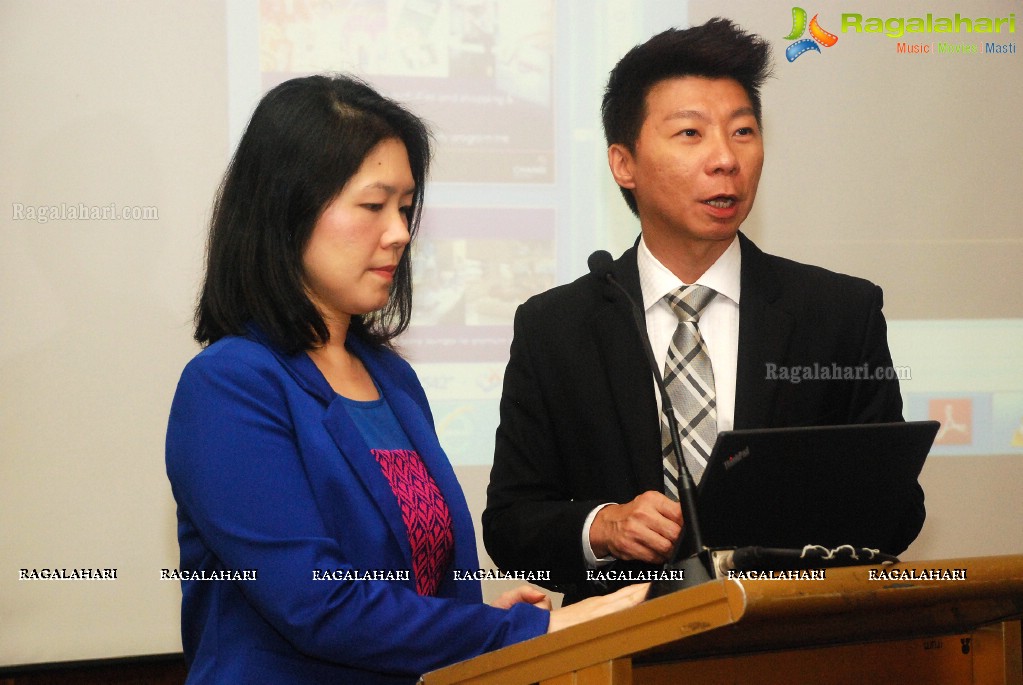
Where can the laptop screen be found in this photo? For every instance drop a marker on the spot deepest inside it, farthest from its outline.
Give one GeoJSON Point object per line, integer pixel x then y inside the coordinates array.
{"type": "Point", "coordinates": [825, 485]}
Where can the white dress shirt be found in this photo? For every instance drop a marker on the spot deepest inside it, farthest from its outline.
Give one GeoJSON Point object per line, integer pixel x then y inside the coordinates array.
{"type": "Point", "coordinates": [719, 326]}
{"type": "Point", "coordinates": [719, 322]}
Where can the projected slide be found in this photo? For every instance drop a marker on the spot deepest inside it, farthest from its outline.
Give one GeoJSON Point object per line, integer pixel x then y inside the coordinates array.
{"type": "Point", "coordinates": [479, 71]}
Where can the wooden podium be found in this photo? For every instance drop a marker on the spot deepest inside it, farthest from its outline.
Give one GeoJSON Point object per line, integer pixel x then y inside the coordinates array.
{"type": "Point", "coordinates": [852, 627]}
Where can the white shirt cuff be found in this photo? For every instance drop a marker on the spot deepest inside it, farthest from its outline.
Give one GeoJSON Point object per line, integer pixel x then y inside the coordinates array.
{"type": "Point", "coordinates": [591, 559]}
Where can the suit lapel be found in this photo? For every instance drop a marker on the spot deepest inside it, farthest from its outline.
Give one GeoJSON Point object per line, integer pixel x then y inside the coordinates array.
{"type": "Point", "coordinates": [355, 451]}
{"type": "Point", "coordinates": [764, 331]}
{"type": "Point", "coordinates": [414, 420]}
{"type": "Point", "coordinates": [628, 373]}
{"type": "Point", "coordinates": [420, 431]}
{"type": "Point", "coordinates": [323, 474]}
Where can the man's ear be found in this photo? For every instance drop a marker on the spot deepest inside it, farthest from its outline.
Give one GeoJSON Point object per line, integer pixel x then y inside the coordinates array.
{"type": "Point", "coordinates": [620, 160]}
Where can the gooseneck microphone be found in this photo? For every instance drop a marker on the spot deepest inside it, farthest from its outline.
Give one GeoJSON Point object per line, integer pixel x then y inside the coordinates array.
{"type": "Point", "coordinates": [696, 563]}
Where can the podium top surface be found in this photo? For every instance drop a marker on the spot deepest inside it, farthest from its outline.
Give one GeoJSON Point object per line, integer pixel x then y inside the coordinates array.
{"type": "Point", "coordinates": [744, 614]}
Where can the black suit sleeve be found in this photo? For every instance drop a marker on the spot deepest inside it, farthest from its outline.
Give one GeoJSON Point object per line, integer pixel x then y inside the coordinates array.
{"type": "Point", "coordinates": [876, 399]}
{"type": "Point", "coordinates": [858, 342]}
{"type": "Point", "coordinates": [532, 521]}
{"type": "Point", "coordinates": [879, 400]}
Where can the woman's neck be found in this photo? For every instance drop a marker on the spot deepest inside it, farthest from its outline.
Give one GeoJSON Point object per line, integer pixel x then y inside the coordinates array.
{"type": "Point", "coordinates": [342, 369]}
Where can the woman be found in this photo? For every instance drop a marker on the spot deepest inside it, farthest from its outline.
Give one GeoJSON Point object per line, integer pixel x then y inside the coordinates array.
{"type": "Point", "coordinates": [301, 451]}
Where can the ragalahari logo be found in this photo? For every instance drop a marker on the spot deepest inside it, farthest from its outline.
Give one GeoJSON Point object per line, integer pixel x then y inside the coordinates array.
{"type": "Point", "coordinates": [818, 35]}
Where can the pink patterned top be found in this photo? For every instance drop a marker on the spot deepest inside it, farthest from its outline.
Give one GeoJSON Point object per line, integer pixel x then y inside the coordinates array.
{"type": "Point", "coordinates": [425, 514]}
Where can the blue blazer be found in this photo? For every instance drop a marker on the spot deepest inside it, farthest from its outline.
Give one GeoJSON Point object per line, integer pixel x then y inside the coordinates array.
{"type": "Point", "coordinates": [271, 475]}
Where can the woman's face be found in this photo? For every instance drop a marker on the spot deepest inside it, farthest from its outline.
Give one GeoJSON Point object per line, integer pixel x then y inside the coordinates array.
{"type": "Point", "coordinates": [354, 249]}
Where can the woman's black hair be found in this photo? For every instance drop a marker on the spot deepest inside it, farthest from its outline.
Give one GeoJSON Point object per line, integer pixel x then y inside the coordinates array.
{"type": "Point", "coordinates": [307, 138]}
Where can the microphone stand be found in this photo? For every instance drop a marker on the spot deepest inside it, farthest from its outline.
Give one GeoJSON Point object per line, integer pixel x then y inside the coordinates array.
{"type": "Point", "coordinates": [695, 563]}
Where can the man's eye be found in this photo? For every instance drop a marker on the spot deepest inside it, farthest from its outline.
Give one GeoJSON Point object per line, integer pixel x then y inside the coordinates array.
{"type": "Point", "coordinates": [689, 133]}
{"type": "Point", "coordinates": [746, 131]}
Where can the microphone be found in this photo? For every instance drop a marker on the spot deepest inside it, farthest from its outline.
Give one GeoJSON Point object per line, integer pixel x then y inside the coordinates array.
{"type": "Point", "coordinates": [696, 565]}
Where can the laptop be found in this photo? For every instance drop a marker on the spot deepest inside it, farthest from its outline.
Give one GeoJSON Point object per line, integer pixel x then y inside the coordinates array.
{"type": "Point", "coordinates": [822, 485]}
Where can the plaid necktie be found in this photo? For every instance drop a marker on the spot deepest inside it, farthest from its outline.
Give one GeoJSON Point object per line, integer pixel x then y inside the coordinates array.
{"type": "Point", "coordinates": [690, 382]}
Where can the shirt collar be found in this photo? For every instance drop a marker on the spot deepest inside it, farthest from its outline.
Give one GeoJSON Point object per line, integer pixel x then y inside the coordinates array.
{"type": "Point", "coordinates": [656, 281]}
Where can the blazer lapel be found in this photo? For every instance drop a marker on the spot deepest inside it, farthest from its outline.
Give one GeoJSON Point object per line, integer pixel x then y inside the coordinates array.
{"type": "Point", "coordinates": [419, 428]}
{"type": "Point", "coordinates": [764, 331]}
{"type": "Point", "coordinates": [628, 372]}
{"type": "Point", "coordinates": [355, 451]}
{"type": "Point", "coordinates": [327, 487]}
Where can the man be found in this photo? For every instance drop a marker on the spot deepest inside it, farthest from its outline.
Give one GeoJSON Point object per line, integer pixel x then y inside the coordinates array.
{"type": "Point", "coordinates": [578, 480]}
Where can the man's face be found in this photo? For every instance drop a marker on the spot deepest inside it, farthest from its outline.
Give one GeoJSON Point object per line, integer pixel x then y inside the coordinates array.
{"type": "Point", "coordinates": [696, 164]}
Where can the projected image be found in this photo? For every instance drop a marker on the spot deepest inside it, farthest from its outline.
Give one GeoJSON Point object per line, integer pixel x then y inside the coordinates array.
{"type": "Point", "coordinates": [971, 423]}
{"type": "Point", "coordinates": [479, 70]}
{"type": "Point", "coordinates": [1008, 418]}
{"type": "Point", "coordinates": [479, 282]}
{"type": "Point", "coordinates": [464, 399]}
{"type": "Point", "coordinates": [472, 268]}
{"type": "Point", "coordinates": [966, 420]}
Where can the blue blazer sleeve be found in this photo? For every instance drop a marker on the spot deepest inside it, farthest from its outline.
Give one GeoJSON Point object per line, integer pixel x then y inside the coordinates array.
{"type": "Point", "coordinates": [260, 465]}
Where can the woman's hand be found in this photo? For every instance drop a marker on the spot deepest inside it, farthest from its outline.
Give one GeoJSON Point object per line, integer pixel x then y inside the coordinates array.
{"type": "Point", "coordinates": [595, 607]}
{"type": "Point", "coordinates": [523, 593]}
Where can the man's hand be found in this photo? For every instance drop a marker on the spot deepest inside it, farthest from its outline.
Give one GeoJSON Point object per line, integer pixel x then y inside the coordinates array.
{"type": "Point", "coordinates": [644, 529]}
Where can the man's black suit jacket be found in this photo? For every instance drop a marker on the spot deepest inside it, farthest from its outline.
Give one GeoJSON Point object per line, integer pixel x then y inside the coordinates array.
{"type": "Point", "coordinates": [579, 423]}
